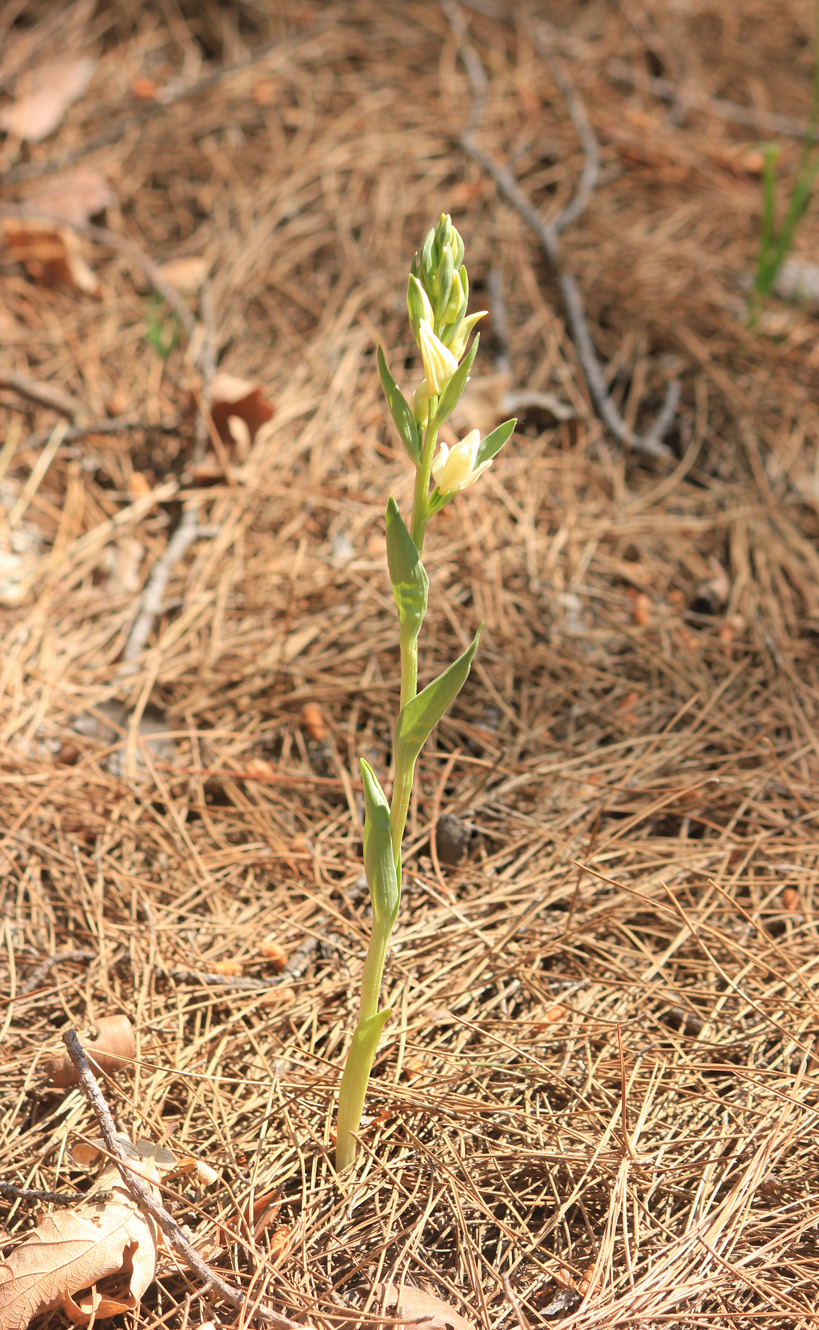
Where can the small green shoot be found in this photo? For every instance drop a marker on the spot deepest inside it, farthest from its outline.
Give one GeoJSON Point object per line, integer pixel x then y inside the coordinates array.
{"type": "Point", "coordinates": [163, 331]}
{"type": "Point", "coordinates": [776, 243]}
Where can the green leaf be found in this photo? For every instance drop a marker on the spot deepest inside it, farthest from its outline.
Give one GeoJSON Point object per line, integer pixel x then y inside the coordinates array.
{"type": "Point", "coordinates": [400, 411]}
{"type": "Point", "coordinates": [492, 444]}
{"type": "Point", "coordinates": [379, 860]}
{"type": "Point", "coordinates": [410, 584]}
{"type": "Point", "coordinates": [450, 396]}
{"type": "Point", "coordinates": [353, 1088]}
{"type": "Point", "coordinates": [418, 718]}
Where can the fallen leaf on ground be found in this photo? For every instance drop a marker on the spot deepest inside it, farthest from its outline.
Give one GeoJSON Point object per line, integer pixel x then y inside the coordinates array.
{"type": "Point", "coordinates": [91, 1154]}
{"type": "Point", "coordinates": [231, 969]}
{"type": "Point", "coordinates": [48, 252]}
{"type": "Point", "coordinates": [239, 409]}
{"type": "Point", "coordinates": [313, 721]}
{"type": "Point", "coordinates": [413, 1304]}
{"type": "Point", "coordinates": [74, 198]}
{"type": "Point", "coordinates": [274, 952]}
{"type": "Point", "coordinates": [95, 1261]}
{"type": "Point", "coordinates": [44, 95]}
{"type": "Point", "coordinates": [112, 1049]}
{"type": "Point", "coordinates": [186, 275]}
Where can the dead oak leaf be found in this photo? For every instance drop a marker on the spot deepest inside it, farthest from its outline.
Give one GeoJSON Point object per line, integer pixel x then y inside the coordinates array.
{"type": "Point", "coordinates": [74, 197]}
{"type": "Point", "coordinates": [239, 409]}
{"type": "Point", "coordinates": [44, 94]}
{"type": "Point", "coordinates": [410, 1304]}
{"type": "Point", "coordinates": [112, 1049]}
{"type": "Point", "coordinates": [95, 1260]}
{"type": "Point", "coordinates": [186, 275]}
{"type": "Point", "coordinates": [48, 252]}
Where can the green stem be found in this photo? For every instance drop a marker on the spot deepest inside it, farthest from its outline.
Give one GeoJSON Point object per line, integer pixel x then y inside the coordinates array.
{"type": "Point", "coordinates": [372, 973]}
{"type": "Point", "coordinates": [402, 785]}
{"type": "Point", "coordinates": [362, 1051]}
{"type": "Point", "coordinates": [420, 502]}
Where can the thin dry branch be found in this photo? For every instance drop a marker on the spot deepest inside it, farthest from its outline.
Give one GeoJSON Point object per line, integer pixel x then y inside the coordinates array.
{"type": "Point", "coordinates": [142, 1195]}
{"type": "Point", "coordinates": [152, 597]}
{"type": "Point", "coordinates": [45, 394]}
{"type": "Point", "coordinates": [650, 442]}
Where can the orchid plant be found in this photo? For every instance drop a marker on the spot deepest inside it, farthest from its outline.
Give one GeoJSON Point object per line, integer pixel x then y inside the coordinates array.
{"type": "Point", "coordinates": [437, 298]}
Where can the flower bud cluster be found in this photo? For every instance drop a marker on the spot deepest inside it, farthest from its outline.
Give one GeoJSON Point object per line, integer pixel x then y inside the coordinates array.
{"type": "Point", "coordinates": [437, 297]}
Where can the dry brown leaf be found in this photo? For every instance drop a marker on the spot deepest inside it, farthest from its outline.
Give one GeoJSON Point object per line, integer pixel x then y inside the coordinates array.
{"type": "Point", "coordinates": [112, 1049]}
{"type": "Point", "coordinates": [239, 409]}
{"type": "Point", "coordinates": [414, 1304]}
{"type": "Point", "coordinates": [274, 952]}
{"type": "Point", "coordinates": [313, 721]}
{"type": "Point", "coordinates": [230, 969]}
{"type": "Point", "coordinates": [186, 275]}
{"type": "Point", "coordinates": [72, 1252]}
{"type": "Point", "coordinates": [44, 95]}
{"type": "Point", "coordinates": [74, 198]}
{"type": "Point", "coordinates": [48, 252]}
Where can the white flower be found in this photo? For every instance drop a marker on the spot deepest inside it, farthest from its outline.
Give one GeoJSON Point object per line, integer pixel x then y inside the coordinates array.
{"type": "Point", "coordinates": [439, 362]}
{"type": "Point", "coordinates": [454, 468]}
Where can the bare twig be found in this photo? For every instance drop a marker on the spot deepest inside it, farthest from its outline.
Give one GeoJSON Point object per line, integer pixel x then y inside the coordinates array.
{"type": "Point", "coordinates": [756, 117]}
{"type": "Point", "coordinates": [650, 443]}
{"type": "Point", "coordinates": [45, 967]}
{"type": "Point", "coordinates": [111, 425]}
{"type": "Point", "coordinates": [146, 1202]}
{"type": "Point", "coordinates": [184, 536]}
{"type": "Point", "coordinates": [237, 981]}
{"type": "Point", "coordinates": [44, 394]}
{"type": "Point", "coordinates": [62, 1198]}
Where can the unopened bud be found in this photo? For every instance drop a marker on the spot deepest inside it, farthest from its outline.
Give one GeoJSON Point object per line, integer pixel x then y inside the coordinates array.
{"type": "Point", "coordinates": [418, 305]}
{"type": "Point", "coordinates": [439, 362]}
{"type": "Point", "coordinates": [419, 404]}
{"type": "Point", "coordinates": [456, 304]}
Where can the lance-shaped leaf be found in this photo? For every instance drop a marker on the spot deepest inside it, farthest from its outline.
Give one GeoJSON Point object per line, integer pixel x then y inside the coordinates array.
{"type": "Point", "coordinates": [418, 718]}
{"type": "Point", "coordinates": [379, 858]}
{"type": "Point", "coordinates": [410, 584]}
{"type": "Point", "coordinates": [452, 392]}
{"type": "Point", "coordinates": [492, 444]}
{"type": "Point", "coordinates": [400, 411]}
{"type": "Point", "coordinates": [353, 1087]}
